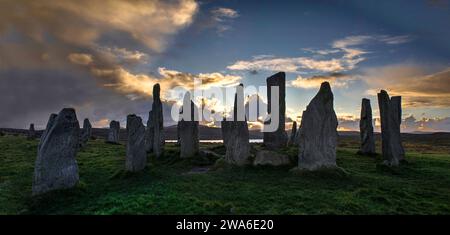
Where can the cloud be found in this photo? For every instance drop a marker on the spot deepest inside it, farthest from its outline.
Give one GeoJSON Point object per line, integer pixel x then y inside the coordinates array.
{"type": "Point", "coordinates": [365, 39]}
{"type": "Point", "coordinates": [409, 124]}
{"type": "Point", "coordinates": [127, 82]}
{"type": "Point", "coordinates": [417, 87]}
{"type": "Point", "coordinates": [351, 41]}
{"type": "Point", "coordinates": [30, 97]}
{"type": "Point", "coordinates": [221, 17]}
{"type": "Point", "coordinates": [83, 54]}
{"type": "Point", "coordinates": [222, 13]}
{"type": "Point", "coordinates": [84, 22]}
{"type": "Point", "coordinates": [122, 56]}
{"type": "Point", "coordinates": [343, 56]}
{"type": "Point", "coordinates": [292, 65]}
{"type": "Point", "coordinates": [395, 40]}
{"type": "Point", "coordinates": [80, 58]}
{"type": "Point", "coordinates": [337, 80]}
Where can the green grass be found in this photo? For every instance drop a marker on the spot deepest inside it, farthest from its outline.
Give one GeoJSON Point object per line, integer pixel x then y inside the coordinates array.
{"type": "Point", "coordinates": [420, 187]}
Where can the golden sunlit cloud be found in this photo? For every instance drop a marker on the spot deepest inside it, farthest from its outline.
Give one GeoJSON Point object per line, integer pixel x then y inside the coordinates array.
{"type": "Point", "coordinates": [86, 20]}
{"type": "Point", "coordinates": [417, 88]}
{"type": "Point", "coordinates": [337, 80]}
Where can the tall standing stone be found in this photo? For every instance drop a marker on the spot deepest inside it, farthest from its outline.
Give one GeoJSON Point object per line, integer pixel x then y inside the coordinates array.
{"type": "Point", "coordinates": [293, 134]}
{"type": "Point", "coordinates": [278, 138]}
{"type": "Point", "coordinates": [235, 133]}
{"type": "Point", "coordinates": [158, 121]}
{"type": "Point", "coordinates": [50, 122]}
{"type": "Point", "coordinates": [318, 132]}
{"type": "Point", "coordinates": [390, 116]}
{"type": "Point", "coordinates": [136, 155]}
{"type": "Point", "coordinates": [225, 128]}
{"type": "Point", "coordinates": [56, 166]}
{"type": "Point", "coordinates": [149, 133]}
{"type": "Point", "coordinates": [86, 132]}
{"type": "Point", "coordinates": [188, 129]}
{"type": "Point", "coordinates": [31, 132]}
{"type": "Point", "coordinates": [366, 129]}
{"type": "Point", "coordinates": [113, 133]}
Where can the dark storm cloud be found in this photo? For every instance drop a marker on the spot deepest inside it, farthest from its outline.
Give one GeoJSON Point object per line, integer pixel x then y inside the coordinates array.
{"type": "Point", "coordinates": [30, 97]}
{"type": "Point", "coordinates": [49, 50]}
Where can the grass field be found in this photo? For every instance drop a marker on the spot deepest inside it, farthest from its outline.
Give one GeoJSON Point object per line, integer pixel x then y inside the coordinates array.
{"type": "Point", "coordinates": [168, 186]}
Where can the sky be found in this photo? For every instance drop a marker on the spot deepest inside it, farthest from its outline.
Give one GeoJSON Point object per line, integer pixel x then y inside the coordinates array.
{"type": "Point", "coordinates": [103, 57]}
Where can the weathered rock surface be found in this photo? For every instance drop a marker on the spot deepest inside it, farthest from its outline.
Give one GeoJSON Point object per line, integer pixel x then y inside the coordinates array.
{"type": "Point", "coordinates": [86, 132]}
{"type": "Point", "coordinates": [136, 155]}
{"type": "Point", "coordinates": [158, 121]}
{"type": "Point", "coordinates": [293, 134]}
{"type": "Point", "coordinates": [113, 134]}
{"type": "Point", "coordinates": [278, 138]}
{"type": "Point", "coordinates": [50, 123]}
{"type": "Point", "coordinates": [270, 158]}
{"type": "Point", "coordinates": [390, 116]}
{"type": "Point", "coordinates": [366, 129]}
{"type": "Point", "coordinates": [56, 166]}
{"type": "Point", "coordinates": [235, 133]}
{"type": "Point", "coordinates": [318, 132]}
{"type": "Point", "coordinates": [31, 132]}
{"type": "Point", "coordinates": [188, 128]}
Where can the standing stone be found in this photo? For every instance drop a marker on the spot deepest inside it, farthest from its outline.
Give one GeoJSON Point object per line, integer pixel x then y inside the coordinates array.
{"type": "Point", "coordinates": [178, 135]}
{"type": "Point", "coordinates": [113, 133]}
{"type": "Point", "coordinates": [188, 129]}
{"type": "Point", "coordinates": [396, 104]}
{"type": "Point", "coordinates": [278, 138]}
{"type": "Point", "coordinates": [50, 123]}
{"type": "Point", "coordinates": [297, 135]}
{"type": "Point", "coordinates": [293, 134]}
{"type": "Point", "coordinates": [158, 121]}
{"type": "Point", "coordinates": [366, 129]}
{"type": "Point", "coordinates": [55, 166]}
{"type": "Point", "coordinates": [31, 132]}
{"type": "Point", "coordinates": [149, 133]}
{"type": "Point", "coordinates": [390, 116]}
{"type": "Point", "coordinates": [226, 131]}
{"type": "Point", "coordinates": [136, 155]}
{"type": "Point", "coordinates": [86, 132]}
{"type": "Point", "coordinates": [235, 133]}
{"type": "Point", "coordinates": [318, 132]}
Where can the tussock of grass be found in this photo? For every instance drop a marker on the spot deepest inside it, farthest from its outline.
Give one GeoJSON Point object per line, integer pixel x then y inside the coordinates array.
{"type": "Point", "coordinates": [420, 187]}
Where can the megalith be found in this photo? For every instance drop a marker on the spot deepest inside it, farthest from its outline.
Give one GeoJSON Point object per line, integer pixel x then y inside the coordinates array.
{"type": "Point", "coordinates": [158, 121]}
{"type": "Point", "coordinates": [31, 132]}
{"type": "Point", "coordinates": [136, 158]}
{"type": "Point", "coordinates": [86, 132]}
{"type": "Point", "coordinates": [318, 132]}
{"type": "Point", "coordinates": [390, 117]}
{"type": "Point", "coordinates": [113, 133]}
{"type": "Point", "coordinates": [188, 128]}
{"type": "Point", "coordinates": [366, 129]}
{"type": "Point", "coordinates": [293, 134]}
{"type": "Point", "coordinates": [56, 166]}
{"type": "Point", "coordinates": [276, 139]}
{"type": "Point", "coordinates": [235, 133]}
{"type": "Point", "coordinates": [149, 133]}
